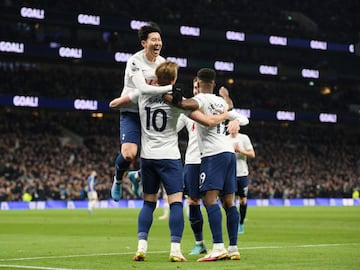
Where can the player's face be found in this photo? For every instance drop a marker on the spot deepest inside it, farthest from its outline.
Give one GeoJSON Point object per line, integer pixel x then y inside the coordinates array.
{"type": "Point", "coordinates": [152, 46]}
{"type": "Point", "coordinates": [195, 88]}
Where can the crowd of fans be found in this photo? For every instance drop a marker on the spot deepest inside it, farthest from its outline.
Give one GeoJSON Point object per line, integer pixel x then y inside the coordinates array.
{"type": "Point", "coordinates": [56, 81]}
{"type": "Point", "coordinates": [39, 157]}
{"type": "Point", "coordinates": [48, 155]}
{"type": "Point", "coordinates": [333, 20]}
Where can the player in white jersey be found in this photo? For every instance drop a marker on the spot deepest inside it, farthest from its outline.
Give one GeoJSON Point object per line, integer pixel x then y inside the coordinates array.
{"type": "Point", "coordinates": [191, 179]}
{"type": "Point", "coordinates": [192, 172]}
{"type": "Point", "coordinates": [161, 160]}
{"type": "Point", "coordinates": [139, 75]}
{"type": "Point", "coordinates": [243, 149]}
{"type": "Point", "coordinates": [218, 167]}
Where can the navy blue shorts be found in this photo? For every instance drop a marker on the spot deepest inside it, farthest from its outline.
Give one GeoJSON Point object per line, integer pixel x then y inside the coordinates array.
{"type": "Point", "coordinates": [192, 181]}
{"type": "Point", "coordinates": [242, 186]}
{"type": "Point", "coordinates": [165, 171]}
{"type": "Point", "coordinates": [218, 172]}
{"type": "Point", "coordinates": [130, 128]}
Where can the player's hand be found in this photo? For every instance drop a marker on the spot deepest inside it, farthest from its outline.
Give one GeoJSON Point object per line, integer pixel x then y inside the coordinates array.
{"type": "Point", "coordinates": [233, 127]}
{"type": "Point", "coordinates": [177, 94]}
{"type": "Point", "coordinates": [168, 98]}
{"type": "Point", "coordinates": [223, 92]}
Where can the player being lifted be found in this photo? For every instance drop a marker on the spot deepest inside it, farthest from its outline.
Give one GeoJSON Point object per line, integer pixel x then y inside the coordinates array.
{"type": "Point", "coordinates": [139, 75]}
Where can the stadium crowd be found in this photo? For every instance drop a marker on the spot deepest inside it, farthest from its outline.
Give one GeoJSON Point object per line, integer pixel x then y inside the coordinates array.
{"type": "Point", "coordinates": [41, 157]}
{"type": "Point", "coordinates": [333, 20]}
{"type": "Point", "coordinates": [48, 155]}
{"type": "Point", "coordinates": [62, 81]}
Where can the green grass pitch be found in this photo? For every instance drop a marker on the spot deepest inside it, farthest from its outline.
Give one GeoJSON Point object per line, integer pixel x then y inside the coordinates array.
{"type": "Point", "coordinates": [275, 238]}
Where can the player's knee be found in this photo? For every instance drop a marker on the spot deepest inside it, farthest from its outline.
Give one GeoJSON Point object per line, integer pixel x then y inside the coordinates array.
{"type": "Point", "coordinates": [129, 152]}
{"type": "Point", "coordinates": [243, 200]}
{"type": "Point", "coordinates": [128, 156]}
{"type": "Point", "coordinates": [193, 201]}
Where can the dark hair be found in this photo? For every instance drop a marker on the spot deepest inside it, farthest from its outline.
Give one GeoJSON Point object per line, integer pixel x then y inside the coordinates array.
{"type": "Point", "coordinates": [206, 75]}
{"type": "Point", "coordinates": [145, 30]}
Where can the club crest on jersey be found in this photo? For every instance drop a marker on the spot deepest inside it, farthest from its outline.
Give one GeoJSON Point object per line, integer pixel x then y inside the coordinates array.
{"type": "Point", "coordinates": [134, 67]}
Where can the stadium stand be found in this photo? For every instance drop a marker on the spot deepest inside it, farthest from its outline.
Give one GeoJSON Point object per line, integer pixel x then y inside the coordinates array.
{"type": "Point", "coordinates": [294, 159]}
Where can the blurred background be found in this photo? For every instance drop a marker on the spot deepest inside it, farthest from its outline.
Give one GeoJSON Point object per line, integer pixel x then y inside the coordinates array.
{"type": "Point", "coordinates": [292, 67]}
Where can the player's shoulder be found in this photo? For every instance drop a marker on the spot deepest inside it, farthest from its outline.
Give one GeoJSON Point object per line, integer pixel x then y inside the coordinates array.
{"type": "Point", "coordinates": [243, 136]}
{"type": "Point", "coordinates": [160, 59]}
{"type": "Point", "coordinates": [136, 58]}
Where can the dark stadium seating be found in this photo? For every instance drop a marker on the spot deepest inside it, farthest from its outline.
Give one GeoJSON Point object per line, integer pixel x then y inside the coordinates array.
{"type": "Point", "coordinates": [292, 160]}
{"type": "Point", "coordinates": [49, 152]}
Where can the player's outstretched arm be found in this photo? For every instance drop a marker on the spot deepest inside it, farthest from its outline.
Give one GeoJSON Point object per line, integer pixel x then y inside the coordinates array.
{"type": "Point", "coordinates": [243, 120]}
{"type": "Point", "coordinates": [116, 103]}
{"type": "Point", "coordinates": [186, 104]}
{"type": "Point", "coordinates": [208, 120]}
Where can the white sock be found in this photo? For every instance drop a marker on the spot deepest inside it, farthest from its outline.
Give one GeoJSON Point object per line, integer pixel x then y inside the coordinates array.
{"type": "Point", "coordinates": [175, 248]}
{"type": "Point", "coordinates": [218, 246]}
{"type": "Point", "coordinates": [142, 245]}
{"type": "Point", "coordinates": [233, 248]}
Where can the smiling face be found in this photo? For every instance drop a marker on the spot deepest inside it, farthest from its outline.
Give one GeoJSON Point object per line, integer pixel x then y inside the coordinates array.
{"type": "Point", "coordinates": [152, 46]}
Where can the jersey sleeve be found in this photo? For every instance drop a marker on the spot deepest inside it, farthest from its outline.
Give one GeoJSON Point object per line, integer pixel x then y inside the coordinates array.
{"type": "Point", "coordinates": [243, 120]}
{"type": "Point", "coordinates": [181, 122]}
{"type": "Point", "coordinates": [134, 95]}
{"type": "Point", "coordinates": [140, 83]}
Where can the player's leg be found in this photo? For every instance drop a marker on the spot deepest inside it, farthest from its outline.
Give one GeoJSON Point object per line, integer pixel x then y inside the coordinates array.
{"type": "Point", "coordinates": [211, 183]}
{"type": "Point", "coordinates": [232, 214]}
{"type": "Point", "coordinates": [170, 172]}
{"type": "Point", "coordinates": [135, 178]}
{"type": "Point", "coordinates": [129, 139]}
{"type": "Point", "coordinates": [242, 192]}
{"type": "Point", "coordinates": [191, 180]}
{"type": "Point", "coordinates": [145, 218]}
{"type": "Point", "coordinates": [166, 208]}
{"type": "Point", "coordinates": [232, 218]}
{"type": "Point", "coordinates": [92, 197]}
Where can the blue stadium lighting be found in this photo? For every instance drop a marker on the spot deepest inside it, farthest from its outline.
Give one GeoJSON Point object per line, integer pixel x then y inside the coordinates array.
{"type": "Point", "coordinates": [268, 70]}
{"type": "Point", "coordinates": [88, 19]}
{"type": "Point", "coordinates": [280, 41]}
{"type": "Point", "coordinates": [33, 13]}
{"type": "Point", "coordinates": [232, 35]}
{"type": "Point", "coordinates": [12, 47]}
{"type": "Point", "coordinates": [136, 24]}
{"type": "Point", "coordinates": [189, 31]}
{"type": "Point", "coordinates": [285, 115]}
{"type": "Point", "coordinates": [67, 52]}
{"type": "Point", "coordinates": [182, 62]}
{"type": "Point", "coordinates": [122, 56]}
{"type": "Point", "coordinates": [318, 45]}
{"type": "Point", "coordinates": [224, 66]}
{"type": "Point", "coordinates": [310, 73]}
{"type": "Point", "coordinates": [26, 101]}
{"type": "Point", "coordinates": [84, 104]}
{"type": "Point", "coordinates": [327, 118]}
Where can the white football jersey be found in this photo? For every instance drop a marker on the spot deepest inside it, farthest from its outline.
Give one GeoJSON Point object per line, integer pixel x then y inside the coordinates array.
{"type": "Point", "coordinates": [159, 137]}
{"type": "Point", "coordinates": [241, 160]}
{"type": "Point", "coordinates": [138, 63]}
{"type": "Point", "coordinates": [212, 140]}
{"type": "Point", "coordinates": [192, 154]}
